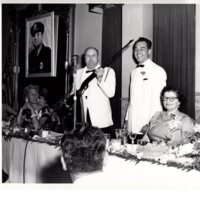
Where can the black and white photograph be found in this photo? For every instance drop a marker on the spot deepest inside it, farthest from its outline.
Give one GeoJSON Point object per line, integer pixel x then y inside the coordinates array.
{"type": "Point", "coordinates": [101, 95]}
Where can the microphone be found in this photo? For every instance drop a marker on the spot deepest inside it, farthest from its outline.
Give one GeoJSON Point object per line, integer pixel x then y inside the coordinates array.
{"type": "Point", "coordinates": [75, 60]}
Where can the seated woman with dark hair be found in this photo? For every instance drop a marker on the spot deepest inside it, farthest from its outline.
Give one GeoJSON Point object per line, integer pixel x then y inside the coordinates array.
{"type": "Point", "coordinates": [83, 151]}
{"type": "Point", "coordinates": [32, 114]}
{"type": "Point", "coordinates": [171, 125]}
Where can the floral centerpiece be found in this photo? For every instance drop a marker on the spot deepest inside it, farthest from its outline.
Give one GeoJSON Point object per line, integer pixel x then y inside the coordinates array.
{"type": "Point", "coordinates": [175, 124]}
{"type": "Point", "coordinates": [186, 156]}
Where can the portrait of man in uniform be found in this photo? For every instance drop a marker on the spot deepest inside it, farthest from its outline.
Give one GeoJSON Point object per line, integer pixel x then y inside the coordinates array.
{"type": "Point", "coordinates": [40, 56]}
{"type": "Point", "coordinates": [40, 42]}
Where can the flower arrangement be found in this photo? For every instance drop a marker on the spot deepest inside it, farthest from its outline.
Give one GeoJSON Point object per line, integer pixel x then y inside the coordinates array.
{"type": "Point", "coordinates": [186, 156]}
{"type": "Point", "coordinates": [197, 128]}
{"type": "Point", "coordinates": [196, 135]}
{"type": "Point", "coordinates": [175, 124]}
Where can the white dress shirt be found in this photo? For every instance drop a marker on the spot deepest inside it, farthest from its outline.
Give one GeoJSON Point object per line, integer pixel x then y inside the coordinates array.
{"type": "Point", "coordinates": [146, 85]}
{"type": "Point", "coordinates": [96, 96]}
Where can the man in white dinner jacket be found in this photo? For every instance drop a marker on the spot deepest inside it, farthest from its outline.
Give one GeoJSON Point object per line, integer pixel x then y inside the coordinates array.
{"type": "Point", "coordinates": [95, 98]}
{"type": "Point", "coordinates": [147, 82]}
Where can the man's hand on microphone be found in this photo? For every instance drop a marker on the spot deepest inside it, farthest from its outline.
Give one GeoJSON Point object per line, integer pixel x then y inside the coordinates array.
{"type": "Point", "coordinates": [99, 72]}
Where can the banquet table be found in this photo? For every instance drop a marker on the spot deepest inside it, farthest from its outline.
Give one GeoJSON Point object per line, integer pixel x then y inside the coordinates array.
{"type": "Point", "coordinates": [117, 172]}
{"type": "Point", "coordinates": [130, 174]}
{"type": "Point", "coordinates": [25, 161]}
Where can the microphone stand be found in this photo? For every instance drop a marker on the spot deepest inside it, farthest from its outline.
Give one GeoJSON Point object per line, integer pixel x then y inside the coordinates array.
{"type": "Point", "coordinates": [75, 63]}
{"type": "Point", "coordinates": [67, 63]}
{"type": "Point", "coordinates": [75, 96]}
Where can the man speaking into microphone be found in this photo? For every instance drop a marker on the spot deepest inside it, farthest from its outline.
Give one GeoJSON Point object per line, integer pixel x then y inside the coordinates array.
{"type": "Point", "coordinates": [95, 98]}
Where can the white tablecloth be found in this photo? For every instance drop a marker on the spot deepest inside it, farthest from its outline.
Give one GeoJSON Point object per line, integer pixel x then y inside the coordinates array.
{"type": "Point", "coordinates": [117, 172]}
{"type": "Point", "coordinates": [38, 157]}
{"type": "Point", "coordinates": [121, 173]}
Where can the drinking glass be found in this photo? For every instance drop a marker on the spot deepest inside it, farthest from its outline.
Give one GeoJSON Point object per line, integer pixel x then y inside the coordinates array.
{"type": "Point", "coordinates": [118, 133]}
{"type": "Point", "coordinates": [124, 134]}
{"type": "Point", "coordinates": [132, 137]}
{"type": "Point", "coordinates": [107, 136]}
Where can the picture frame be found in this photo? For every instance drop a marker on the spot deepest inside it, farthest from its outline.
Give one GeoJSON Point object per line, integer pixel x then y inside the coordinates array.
{"type": "Point", "coordinates": [41, 45]}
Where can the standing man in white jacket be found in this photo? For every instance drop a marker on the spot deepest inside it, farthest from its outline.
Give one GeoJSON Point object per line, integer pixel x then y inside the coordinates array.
{"type": "Point", "coordinates": [147, 82]}
{"type": "Point", "coordinates": [95, 98]}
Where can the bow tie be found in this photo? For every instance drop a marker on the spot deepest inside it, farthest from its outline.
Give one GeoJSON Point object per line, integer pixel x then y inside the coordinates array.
{"type": "Point", "coordinates": [140, 66]}
{"type": "Point", "coordinates": [88, 71]}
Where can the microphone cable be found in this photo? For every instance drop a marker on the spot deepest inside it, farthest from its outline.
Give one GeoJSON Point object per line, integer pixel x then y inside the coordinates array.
{"type": "Point", "coordinates": [24, 160]}
{"type": "Point", "coordinates": [28, 139]}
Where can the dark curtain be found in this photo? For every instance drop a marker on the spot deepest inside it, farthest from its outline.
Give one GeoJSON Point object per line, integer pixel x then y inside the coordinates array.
{"type": "Point", "coordinates": [9, 18]}
{"type": "Point", "coordinates": [174, 48]}
{"type": "Point", "coordinates": [111, 43]}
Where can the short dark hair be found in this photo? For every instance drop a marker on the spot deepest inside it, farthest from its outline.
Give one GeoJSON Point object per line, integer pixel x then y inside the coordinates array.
{"type": "Point", "coordinates": [179, 95]}
{"type": "Point", "coordinates": [143, 39]}
{"type": "Point", "coordinates": [44, 93]}
{"type": "Point", "coordinates": [37, 27]}
{"type": "Point", "coordinates": [83, 149]}
{"type": "Point", "coordinates": [91, 48]}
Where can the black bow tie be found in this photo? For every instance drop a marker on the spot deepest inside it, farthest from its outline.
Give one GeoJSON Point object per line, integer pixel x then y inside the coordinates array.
{"type": "Point", "coordinates": [88, 71]}
{"type": "Point", "coordinates": [140, 66]}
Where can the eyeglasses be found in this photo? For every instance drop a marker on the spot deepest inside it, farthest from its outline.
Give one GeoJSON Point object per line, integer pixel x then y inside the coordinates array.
{"type": "Point", "coordinates": [171, 99]}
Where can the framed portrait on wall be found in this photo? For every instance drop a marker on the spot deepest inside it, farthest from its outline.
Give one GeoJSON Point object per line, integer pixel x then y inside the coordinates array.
{"type": "Point", "coordinates": [41, 45]}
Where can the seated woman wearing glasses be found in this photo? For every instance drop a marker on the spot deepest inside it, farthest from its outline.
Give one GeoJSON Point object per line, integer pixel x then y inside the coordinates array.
{"type": "Point", "coordinates": [170, 125]}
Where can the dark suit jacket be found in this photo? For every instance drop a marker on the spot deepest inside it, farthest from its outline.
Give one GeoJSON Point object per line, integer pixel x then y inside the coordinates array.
{"type": "Point", "coordinates": [40, 63]}
{"type": "Point", "coordinates": [54, 173]}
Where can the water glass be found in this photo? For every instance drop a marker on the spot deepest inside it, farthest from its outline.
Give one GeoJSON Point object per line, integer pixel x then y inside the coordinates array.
{"type": "Point", "coordinates": [124, 136]}
{"type": "Point", "coordinates": [118, 133]}
{"type": "Point", "coordinates": [107, 136]}
{"type": "Point", "coordinates": [132, 137]}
